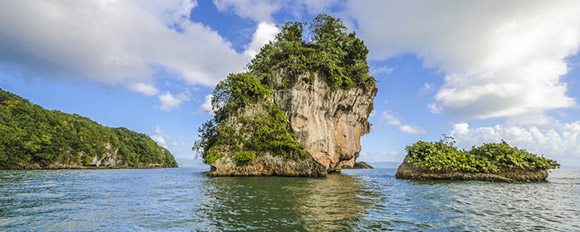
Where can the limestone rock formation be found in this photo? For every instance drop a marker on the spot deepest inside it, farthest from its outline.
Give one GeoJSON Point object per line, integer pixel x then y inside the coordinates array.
{"type": "Point", "coordinates": [361, 165]}
{"type": "Point", "coordinates": [300, 109]}
{"type": "Point", "coordinates": [268, 165]}
{"type": "Point", "coordinates": [328, 123]}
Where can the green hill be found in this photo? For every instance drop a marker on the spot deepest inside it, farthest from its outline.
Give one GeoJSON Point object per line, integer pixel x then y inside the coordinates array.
{"type": "Point", "coordinates": [33, 137]}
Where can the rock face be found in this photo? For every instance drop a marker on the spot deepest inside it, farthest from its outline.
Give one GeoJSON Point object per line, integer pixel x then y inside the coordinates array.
{"type": "Point", "coordinates": [409, 171]}
{"type": "Point", "coordinates": [328, 123]}
{"type": "Point", "coordinates": [268, 165]}
{"type": "Point", "coordinates": [362, 165]}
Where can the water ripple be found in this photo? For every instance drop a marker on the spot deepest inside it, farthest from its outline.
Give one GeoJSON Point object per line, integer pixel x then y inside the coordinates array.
{"type": "Point", "coordinates": [357, 200]}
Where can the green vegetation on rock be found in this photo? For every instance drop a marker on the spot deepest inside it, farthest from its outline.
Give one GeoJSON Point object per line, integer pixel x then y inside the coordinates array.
{"type": "Point", "coordinates": [31, 135]}
{"type": "Point", "coordinates": [340, 56]}
{"type": "Point", "coordinates": [488, 158]}
{"type": "Point", "coordinates": [247, 123]}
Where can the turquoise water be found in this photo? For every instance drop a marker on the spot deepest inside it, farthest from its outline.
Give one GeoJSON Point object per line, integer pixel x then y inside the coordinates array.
{"type": "Point", "coordinates": [185, 199]}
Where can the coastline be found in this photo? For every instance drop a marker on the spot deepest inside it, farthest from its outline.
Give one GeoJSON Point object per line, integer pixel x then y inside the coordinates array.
{"type": "Point", "coordinates": [37, 166]}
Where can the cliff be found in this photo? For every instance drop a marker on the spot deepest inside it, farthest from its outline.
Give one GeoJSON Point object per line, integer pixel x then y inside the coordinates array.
{"type": "Point", "coordinates": [300, 110]}
{"type": "Point", "coordinates": [32, 137]}
{"type": "Point", "coordinates": [328, 123]}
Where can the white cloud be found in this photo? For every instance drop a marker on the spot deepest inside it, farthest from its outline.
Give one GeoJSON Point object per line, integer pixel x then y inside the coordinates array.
{"type": "Point", "coordinates": [257, 10]}
{"type": "Point", "coordinates": [427, 88]}
{"type": "Point", "coordinates": [144, 88]}
{"type": "Point", "coordinates": [262, 10]}
{"type": "Point", "coordinates": [206, 106]}
{"type": "Point", "coordinates": [500, 58]}
{"type": "Point", "coordinates": [410, 129]}
{"type": "Point", "coordinates": [560, 142]}
{"type": "Point", "coordinates": [112, 42]}
{"type": "Point", "coordinates": [391, 120]}
{"type": "Point", "coordinates": [265, 33]}
{"type": "Point", "coordinates": [170, 102]}
{"type": "Point", "coordinates": [160, 137]}
{"type": "Point", "coordinates": [317, 6]}
{"type": "Point", "coordinates": [380, 70]}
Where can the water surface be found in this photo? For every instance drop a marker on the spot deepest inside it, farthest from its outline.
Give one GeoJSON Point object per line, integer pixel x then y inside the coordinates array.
{"type": "Point", "coordinates": [185, 199]}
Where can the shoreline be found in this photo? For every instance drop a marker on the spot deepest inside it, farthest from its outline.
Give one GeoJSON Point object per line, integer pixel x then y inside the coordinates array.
{"type": "Point", "coordinates": [79, 167]}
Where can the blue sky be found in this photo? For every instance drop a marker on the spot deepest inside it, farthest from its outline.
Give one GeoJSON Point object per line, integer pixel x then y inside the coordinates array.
{"type": "Point", "coordinates": [480, 71]}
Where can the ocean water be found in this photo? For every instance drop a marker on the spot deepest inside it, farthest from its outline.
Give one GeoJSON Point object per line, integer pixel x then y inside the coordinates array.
{"type": "Point", "coordinates": [184, 199]}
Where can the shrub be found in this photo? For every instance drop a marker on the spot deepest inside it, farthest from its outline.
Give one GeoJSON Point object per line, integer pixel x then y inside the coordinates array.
{"type": "Point", "coordinates": [245, 156]}
{"type": "Point", "coordinates": [488, 158]}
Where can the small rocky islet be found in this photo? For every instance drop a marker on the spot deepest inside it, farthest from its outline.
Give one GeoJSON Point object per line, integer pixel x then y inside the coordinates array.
{"type": "Point", "coordinates": [299, 110]}
{"type": "Point", "coordinates": [497, 162]}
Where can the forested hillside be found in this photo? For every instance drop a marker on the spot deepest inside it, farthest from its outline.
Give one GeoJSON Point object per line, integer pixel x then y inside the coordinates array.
{"type": "Point", "coordinates": [33, 137]}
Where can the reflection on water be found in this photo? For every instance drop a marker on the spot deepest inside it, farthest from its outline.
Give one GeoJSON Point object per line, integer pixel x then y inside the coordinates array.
{"type": "Point", "coordinates": [331, 203]}
{"type": "Point", "coordinates": [368, 200]}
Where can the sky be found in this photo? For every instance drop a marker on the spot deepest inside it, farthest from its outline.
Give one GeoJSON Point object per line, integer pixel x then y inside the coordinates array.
{"type": "Point", "coordinates": [480, 71]}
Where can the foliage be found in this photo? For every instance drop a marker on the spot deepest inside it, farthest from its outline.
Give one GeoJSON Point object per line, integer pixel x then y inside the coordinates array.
{"type": "Point", "coordinates": [213, 156]}
{"type": "Point", "coordinates": [488, 158]}
{"type": "Point", "coordinates": [31, 134]}
{"type": "Point", "coordinates": [263, 131]}
{"type": "Point", "coordinates": [338, 55]}
{"type": "Point", "coordinates": [245, 156]}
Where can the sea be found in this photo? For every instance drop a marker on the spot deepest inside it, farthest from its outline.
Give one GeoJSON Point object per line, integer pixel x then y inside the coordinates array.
{"type": "Point", "coordinates": [185, 199]}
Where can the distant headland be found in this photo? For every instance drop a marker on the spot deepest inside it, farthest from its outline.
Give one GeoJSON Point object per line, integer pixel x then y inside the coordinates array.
{"type": "Point", "coordinates": [32, 137]}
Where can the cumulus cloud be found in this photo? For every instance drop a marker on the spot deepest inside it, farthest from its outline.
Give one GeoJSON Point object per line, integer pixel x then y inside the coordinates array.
{"type": "Point", "coordinates": [410, 129]}
{"type": "Point", "coordinates": [264, 33]}
{"type": "Point", "coordinates": [262, 10]}
{"type": "Point", "coordinates": [500, 58]}
{"type": "Point", "coordinates": [206, 106]}
{"type": "Point", "coordinates": [427, 88]}
{"type": "Point", "coordinates": [144, 88]}
{"type": "Point", "coordinates": [170, 102]}
{"type": "Point", "coordinates": [257, 10]}
{"type": "Point", "coordinates": [391, 120]}
{"type": "Point", "coordinates": [561, 141]}
{"type": "Point", "coordinates": [127, 43]}
{"type": "Point", "coordinates": [160, 137]}
{"type": "Point", "coordinates": [380, 70]}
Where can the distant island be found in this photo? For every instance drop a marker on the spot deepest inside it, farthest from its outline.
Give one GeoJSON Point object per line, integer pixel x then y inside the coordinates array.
{"type": "Point", "coordinates": [32, 137]}
{"type": "Point", "coordinates": [299, 110]}
{"type": "Point", "coordinates": [489, 162]}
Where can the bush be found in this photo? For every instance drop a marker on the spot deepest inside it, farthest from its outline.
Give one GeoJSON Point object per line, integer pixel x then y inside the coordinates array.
{"type": "Point", "coordinates": [488, 158]}
{"type": "Point", "coordinates": [245, 156]}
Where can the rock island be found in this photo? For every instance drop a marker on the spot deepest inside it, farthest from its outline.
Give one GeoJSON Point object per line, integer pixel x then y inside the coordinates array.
{"type": "Point", "coordinates": [299, 110]}
{"type": "Point", "coordinates": [489, 162]}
